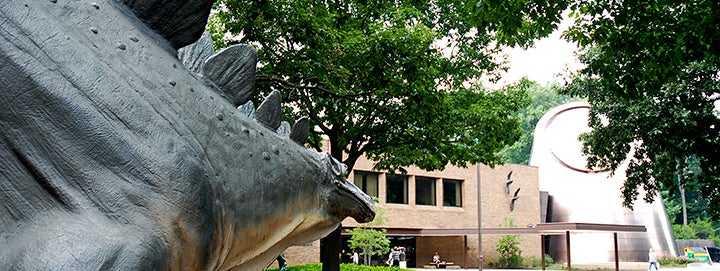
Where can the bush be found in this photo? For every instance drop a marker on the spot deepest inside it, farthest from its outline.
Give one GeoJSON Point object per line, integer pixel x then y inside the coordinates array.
{"type": "Point", "coordinates": [510, 253]}
{"type": "Point", "coordinates": [703, 228]}
{"type": "Point", "coordinates": [716, 239]}
{"type": "Point", "coordinates": [669, 260]}
{"type": "Point", "coordinates": [533, 262]}
{"type": "Point", "coordinates": [549, 259]}
{"type": "Point", "coordinates": [683, 232]}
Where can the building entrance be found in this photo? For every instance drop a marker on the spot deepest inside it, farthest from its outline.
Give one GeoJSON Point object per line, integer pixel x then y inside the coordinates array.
{"type": "Point", "coordinates": [408, 242]}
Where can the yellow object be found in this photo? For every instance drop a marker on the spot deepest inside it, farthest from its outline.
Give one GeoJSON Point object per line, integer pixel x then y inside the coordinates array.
{"type": "Point", "coordinates": [697, 253]}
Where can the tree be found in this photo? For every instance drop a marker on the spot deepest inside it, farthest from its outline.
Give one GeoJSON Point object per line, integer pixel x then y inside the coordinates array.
{"type": "Point", "coordinates": [368, 240]}
{"type": "Point", "coordinates": [696, 207]}
{"type": "Point", "coordinates": [651, 78]}
{"type": "Point", "coordinates": [375, 80]}
{"type": "Point", "coordinates": [543, 99]}
{"type": "Point", "coordinates": [396, 81]}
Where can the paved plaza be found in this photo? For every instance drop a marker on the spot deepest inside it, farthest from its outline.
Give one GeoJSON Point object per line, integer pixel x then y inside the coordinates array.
{"type": "Point", "coordinates": [625, 266]}
{"type": "Point", "coordinates": [603, 269]}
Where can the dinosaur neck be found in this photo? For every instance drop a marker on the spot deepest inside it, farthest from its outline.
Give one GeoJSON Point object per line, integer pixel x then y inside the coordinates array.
{"type": "Point", "coordinates": [275, 200]}
{"type": "Point", "coordinates": [253, 247]}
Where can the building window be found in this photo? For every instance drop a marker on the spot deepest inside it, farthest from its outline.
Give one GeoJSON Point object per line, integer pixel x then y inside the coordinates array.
{"type": "Point", "coordinates": [452, 193]}
{"type": "Point", "coordinates": [397, 189]}
{"type": "Point", "coordinates": [424, 191]}
{"type": "Point", "coordinates": [367, 182]}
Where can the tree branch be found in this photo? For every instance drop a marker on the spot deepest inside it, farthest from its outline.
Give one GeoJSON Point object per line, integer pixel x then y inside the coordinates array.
{"type": "Point", "coordinates": [287, 84]}
{"type": "Point", "coordinates": [352, 97]}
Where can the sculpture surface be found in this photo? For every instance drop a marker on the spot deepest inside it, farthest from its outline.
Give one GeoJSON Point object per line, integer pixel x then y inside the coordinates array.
{"type": "Point", "coordinates": [115, 156]}
{"type": "Point", "coordinates": [580, 194]}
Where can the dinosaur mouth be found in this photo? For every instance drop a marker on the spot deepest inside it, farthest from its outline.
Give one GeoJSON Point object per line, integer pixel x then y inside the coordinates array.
{"type": "Point", "coordinates": [350, 201]}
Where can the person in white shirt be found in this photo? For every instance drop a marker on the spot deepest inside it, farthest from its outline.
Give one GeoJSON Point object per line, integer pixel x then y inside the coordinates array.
{"type": "Point", "coordinates": [652, 257]}
{"type": "Point", "coordinates": [436, 260]}
{"type": "Point", "coordinates": [355, 257]}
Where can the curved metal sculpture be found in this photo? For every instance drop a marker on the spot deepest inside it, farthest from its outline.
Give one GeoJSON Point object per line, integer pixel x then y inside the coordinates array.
{"type": "Point", "coordinates": [580, 194]}
{"type": "Point", "coordinates": [115, 156]}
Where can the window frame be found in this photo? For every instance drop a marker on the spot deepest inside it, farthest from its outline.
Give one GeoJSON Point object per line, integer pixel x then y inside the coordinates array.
{"type": "Point", "coordinates": [388, 187]}
{"type": "Point", "coordinates": [458, 194]}
{"type": "Point", "coordinates": [433, 190]}
{"type": "Point", "coordinates": [364, 181]}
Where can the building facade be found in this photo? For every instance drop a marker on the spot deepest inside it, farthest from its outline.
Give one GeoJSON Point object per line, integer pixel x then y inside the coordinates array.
{"type": "Point", "coordinates": [437, 211]}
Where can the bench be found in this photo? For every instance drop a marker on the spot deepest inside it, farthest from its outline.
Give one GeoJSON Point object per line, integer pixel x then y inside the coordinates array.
{"type": "Point", "coordinates": [443, 265]}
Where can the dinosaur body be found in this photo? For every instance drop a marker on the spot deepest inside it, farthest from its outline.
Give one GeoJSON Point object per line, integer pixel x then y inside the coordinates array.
{"type": "Point", "coordinates": [114, 155]}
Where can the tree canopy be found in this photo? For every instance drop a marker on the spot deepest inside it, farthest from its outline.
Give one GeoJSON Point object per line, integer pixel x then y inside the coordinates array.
{"type": "Point", "coordinates": [396, 81]}
{"type": "Point", "coordinates": [543, 98]}
{"type": "Point", "coordinates": [651, 78]}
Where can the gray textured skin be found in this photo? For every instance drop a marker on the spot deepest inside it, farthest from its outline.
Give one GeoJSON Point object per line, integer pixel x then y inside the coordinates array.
{"type": "Point", "coordinates": [218, 67]}
{"type": "Point", "coordinates": [114, 156]}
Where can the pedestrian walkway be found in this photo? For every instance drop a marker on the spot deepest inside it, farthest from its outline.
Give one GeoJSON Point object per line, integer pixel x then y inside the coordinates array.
{"type": "Point", "coordinates": [623, 267]}
{"type": "Point", "coordinates": [704, 268]}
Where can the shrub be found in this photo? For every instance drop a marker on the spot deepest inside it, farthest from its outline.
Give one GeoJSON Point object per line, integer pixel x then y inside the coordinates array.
{"type": "Point", "coordinates": [534, 262]}
{"type": "Point", "coordinates": [510, 253]}
{"type": "Point", "coordinates": [715, 238]}
{"type": "Point", "coordinates": [683, 232]}
{"type": "Point", "coordinates": [669, 260]}
{"type": "Point", "coordinates": [549, 259]}
{"type": "Point", "coordinates": [703, 228]}
{"type": "Point", "coordinates": [531, 262]}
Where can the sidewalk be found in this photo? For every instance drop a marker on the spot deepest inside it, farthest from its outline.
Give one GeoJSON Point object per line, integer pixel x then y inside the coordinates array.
{"type": "Point", "coordinates": [602, 269]}
{"type": "Point", "coordinates": [623, 266]}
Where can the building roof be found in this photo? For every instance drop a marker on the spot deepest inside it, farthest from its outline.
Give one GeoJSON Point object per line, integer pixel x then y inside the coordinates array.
{"type": "Point", "coordinates": [541, 228]}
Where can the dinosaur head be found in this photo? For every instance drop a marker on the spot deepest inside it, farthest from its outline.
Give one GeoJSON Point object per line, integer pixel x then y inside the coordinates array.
{"type": "Point", "coordinates": [344, 199]}
{"type": "Point", "coordinates": [301, 197]}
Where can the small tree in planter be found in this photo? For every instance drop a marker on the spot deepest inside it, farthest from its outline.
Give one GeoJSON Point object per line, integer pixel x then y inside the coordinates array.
{"type": "Point", "coordinates": [369, 241]}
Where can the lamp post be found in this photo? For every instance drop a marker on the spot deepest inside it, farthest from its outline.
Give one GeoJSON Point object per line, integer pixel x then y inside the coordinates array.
{"type": "Point", "coordinates": [479, 207]}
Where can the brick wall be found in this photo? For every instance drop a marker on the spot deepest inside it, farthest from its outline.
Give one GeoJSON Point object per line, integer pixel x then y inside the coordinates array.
{"type": "Point", "coordinates": [308, 253]}
{"type": "Point", "coordinates": [495, 213]}
{"type": "Point", "coordinates": [450, 249]}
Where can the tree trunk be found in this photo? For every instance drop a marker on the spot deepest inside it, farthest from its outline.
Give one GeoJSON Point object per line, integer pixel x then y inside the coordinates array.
{"type": "Point", "coordinates": [368, 257]}
{"type": "Point", "coordinates": [331, 245]}
{"type": "Point", "coordinates": [684, 205]}
{"type": "Point", "coordinates": [330, 251]}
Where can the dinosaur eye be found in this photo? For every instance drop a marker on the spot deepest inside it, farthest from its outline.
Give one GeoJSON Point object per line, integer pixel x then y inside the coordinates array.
{"type": "Point", "coordinates": [338, 169]}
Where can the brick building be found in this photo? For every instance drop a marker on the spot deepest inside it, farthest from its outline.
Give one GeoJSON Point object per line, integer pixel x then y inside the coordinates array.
{"type": "Point", "coordinates": [437, 211]}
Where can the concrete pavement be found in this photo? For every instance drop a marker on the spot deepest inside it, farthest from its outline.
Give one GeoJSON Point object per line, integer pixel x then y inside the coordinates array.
{"type": "Point", "coordinates": [606, 267]}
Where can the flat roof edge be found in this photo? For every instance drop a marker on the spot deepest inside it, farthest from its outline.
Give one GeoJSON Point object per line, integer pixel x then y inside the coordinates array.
{"type": "Point", "coordinates": [541, 228]}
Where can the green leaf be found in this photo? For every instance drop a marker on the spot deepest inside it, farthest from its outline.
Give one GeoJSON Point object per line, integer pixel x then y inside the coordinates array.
{"type": "Point", "coordinates": [373, 80]}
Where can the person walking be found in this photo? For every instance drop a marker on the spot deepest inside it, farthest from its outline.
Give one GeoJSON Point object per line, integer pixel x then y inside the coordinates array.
{"type": "Point", "coordinates": [355, 257]}
{"type": "Point", "coordinates": [652, 258]}
{"type": "Point", "coordinates": [282, 263]}
{"type": "Point", "coordinates": [395, 257]}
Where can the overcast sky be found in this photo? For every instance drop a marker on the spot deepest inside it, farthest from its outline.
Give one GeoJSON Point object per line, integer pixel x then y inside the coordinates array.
{"type": "Point", "coordinates": [543, 62]}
